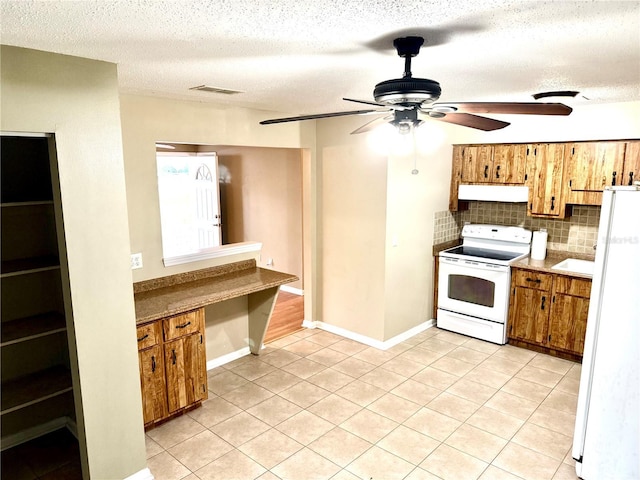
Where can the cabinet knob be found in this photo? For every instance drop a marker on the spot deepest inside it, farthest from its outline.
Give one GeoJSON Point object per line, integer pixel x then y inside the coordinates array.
{"type": "Point", "coordinates": [184, 325]}
{"type": "Point", "coordinates": [486, 170]}
{"type": "Point", "coordinates": [544, 299]}
{"type": "Point", "coordinates": [143, 337]}
{"type": "Point", "coordinates": [613, 178]}
{"type": "Point", "coordinates": [630, 178]}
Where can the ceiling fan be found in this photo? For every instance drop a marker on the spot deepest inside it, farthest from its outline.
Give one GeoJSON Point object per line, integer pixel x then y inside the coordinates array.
{"type": "Point", "coordinates": [409, 99]}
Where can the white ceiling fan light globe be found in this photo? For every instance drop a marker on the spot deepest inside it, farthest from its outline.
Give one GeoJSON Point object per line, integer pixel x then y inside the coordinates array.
{"type": "Point", "coordinates": [429, 137]}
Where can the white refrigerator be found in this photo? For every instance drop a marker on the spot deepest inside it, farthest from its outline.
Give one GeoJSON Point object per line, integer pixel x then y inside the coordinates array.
{"type": "Point", "coordinates": [606, 442]}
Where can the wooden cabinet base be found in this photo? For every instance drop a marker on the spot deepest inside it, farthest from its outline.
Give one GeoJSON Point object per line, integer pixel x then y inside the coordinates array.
{"type": "Point", "coordinates": [171, 416]}
{"type": "Point", "coordinates": [549, 351]}
{"type": "Point", "coordinates": [173, 369]}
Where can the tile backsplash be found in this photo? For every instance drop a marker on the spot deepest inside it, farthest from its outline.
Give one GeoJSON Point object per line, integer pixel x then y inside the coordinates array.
{"type": "Point", "coordinates": [577, 234]}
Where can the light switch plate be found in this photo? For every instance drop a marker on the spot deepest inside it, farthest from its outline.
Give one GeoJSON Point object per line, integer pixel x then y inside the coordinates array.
{"type": "Point", "coordinates": [136, 260]}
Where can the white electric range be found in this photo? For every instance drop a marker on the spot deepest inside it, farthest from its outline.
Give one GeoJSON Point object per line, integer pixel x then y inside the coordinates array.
{"type": "Point", "coordinates": [474, 280]}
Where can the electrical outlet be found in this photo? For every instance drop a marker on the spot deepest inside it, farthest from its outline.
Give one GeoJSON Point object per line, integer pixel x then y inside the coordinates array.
{"type": "Point", "coordinates": [136, 261]}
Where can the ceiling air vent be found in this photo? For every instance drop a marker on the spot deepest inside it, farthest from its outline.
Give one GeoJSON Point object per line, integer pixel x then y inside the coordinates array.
{"type": "Point", "coordinates": [208, 88]}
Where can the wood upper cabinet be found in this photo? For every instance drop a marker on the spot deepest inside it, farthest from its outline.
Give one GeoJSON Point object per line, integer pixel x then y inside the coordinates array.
{"type": "Point", "coordinates": [631, 172]}
{"type": "Point", "coordinates": [509, 163]}
{"type": "Point", "coordinates": [549, 310]}
{"type": "Point", "coordinates": [545, 165]}
{"type": "Point", "coordinates": [173, 370]}
{"type": "Point", "coordinates": [477, 163]}
{"type": "Point", "coordinates": [591, 166]}
{"type": "Point", "coordinates": [496, 164]}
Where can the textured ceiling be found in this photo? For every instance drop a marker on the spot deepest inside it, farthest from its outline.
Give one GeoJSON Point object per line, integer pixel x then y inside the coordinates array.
{"type": "Point", "coordinates": [303, 57]}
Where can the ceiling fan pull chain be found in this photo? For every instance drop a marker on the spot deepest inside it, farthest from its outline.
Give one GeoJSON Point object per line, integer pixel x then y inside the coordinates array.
{"type": "Point", "coordinates": [415, 152]}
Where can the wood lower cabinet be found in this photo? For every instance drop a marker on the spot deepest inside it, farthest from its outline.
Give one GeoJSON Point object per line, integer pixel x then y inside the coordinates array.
{"type": "Point", "coordinates": [173, 371]}
{"type": "Point", "coordinates": [530, 295]}
{"type": "Point", "coordinates": [549, 310]}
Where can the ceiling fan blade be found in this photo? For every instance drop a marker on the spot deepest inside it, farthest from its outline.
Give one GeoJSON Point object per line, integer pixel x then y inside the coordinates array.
{"type": "Point", "coordinates": [375, 123]}
{"type": "Point", "coordinates": [515, 108]}
{"type": "Point", "coordinates": [473, 121]}
{"type": "Point", "coordinates": [366, 102]}
{"type": "Point", "coordinates": [316, 116]}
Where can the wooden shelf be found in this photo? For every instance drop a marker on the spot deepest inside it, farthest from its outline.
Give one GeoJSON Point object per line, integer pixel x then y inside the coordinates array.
{"type": "Point", "coordinates": [33, 203]}
{"type": "Point", "coordinates": [28, 328]}
{"type": "Point", "coordinates": [22, 266]}
{"type": "Point", "coordinates": [30, 389]}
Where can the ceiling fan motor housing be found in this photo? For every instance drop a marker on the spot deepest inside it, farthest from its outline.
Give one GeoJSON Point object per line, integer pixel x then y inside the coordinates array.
{"type": "Point", "coordinates": [408, 90]}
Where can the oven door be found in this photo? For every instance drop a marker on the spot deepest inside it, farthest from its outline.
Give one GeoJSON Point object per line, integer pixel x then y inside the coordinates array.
{"type": "Point", "coordinates": [474, 288]}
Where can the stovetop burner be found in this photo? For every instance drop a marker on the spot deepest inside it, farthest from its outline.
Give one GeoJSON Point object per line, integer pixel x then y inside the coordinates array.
{"type": "Point", "coordinates": [483, 253]}
{"type": "Point", "coordinates": [492, 244]}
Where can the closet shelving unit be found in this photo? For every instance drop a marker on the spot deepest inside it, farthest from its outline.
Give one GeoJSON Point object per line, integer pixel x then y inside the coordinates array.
{"type": "Point", "coordinates": [37, 391]}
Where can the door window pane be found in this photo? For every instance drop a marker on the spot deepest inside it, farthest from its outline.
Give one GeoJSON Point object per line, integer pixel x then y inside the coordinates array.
{"type": "Point", "coordinates": [189, 202]}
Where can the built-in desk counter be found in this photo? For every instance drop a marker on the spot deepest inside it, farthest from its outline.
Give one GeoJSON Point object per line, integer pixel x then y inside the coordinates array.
{"type": "Point", "coordinates": [171, 330]}
{"type": "Point", "coordinates": [176, 294]}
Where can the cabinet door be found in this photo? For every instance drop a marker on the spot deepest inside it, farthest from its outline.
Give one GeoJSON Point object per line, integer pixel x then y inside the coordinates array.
{"type": "Point", "coordinates": [195, 368]}
{"type": "Point", "coordinates": [631, 171]}
{"type": "Point", "coordinates": [477, 163]}
{"type": "Point", "coordinates": [174, 357]}
{"type": "Point", "coordinates": [152, 379]}
{"type": "Point", "coordinates": [186, 371]}
{"type": "Point", "coordinates": [544, 178]}
{"type": "Point", "coordinates": [509, 164]}
{"type": "Point", "coordinates": [529, 315]}
{"type": "Point", "coordinates": [595, 165]}
{"type": "Point", "coordinates": [568, 322]}
{"type": "Point", "coordinates": [456, 177]}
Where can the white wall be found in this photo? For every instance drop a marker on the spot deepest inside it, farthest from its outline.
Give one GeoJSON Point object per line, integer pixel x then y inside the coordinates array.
{"type": "Point", "coordinates": [77, 100]}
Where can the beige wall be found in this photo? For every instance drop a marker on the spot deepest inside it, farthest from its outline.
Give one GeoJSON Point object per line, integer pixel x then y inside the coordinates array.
{"type": "Point", "coordinates": [147, 120]}
{"type": "Point", "coordinates": [352, 229]}
{"type": "Point", "coordinates": [264, 203]}
{"type": "Point", "coordinates": [77, 100]}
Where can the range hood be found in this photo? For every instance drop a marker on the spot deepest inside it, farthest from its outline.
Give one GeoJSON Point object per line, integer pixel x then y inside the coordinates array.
{"type": "Point", "coordinates": [494, 193]}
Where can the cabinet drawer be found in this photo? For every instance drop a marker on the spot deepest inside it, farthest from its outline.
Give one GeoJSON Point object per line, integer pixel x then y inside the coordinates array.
{"type": "Point", "coordinates": [578, 287]}
{"type": "Point", "coordinates": [537, 280]}
{"type": "Point", "coordinates": [181, 325]}
{"type": "Point", "coordinates": [148, 335]}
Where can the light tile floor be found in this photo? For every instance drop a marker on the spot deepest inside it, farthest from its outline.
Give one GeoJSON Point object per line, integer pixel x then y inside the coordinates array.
{"type": "Point", "coordinates": [314, 405]}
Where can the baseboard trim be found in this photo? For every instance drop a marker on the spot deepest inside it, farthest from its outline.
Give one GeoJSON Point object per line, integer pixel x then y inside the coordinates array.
{"type": "Point", "coordinates": [34, 432]}
{"type": "Point", "coordinates": [144, 474]}
{"type": "Point", "coordinates": [308, 324]}
{"type": "Point", "coordinates": [295, 291]}
{"type": "Point", "coordinates": [380, 345]}
{"type": "Point", "coordinates": [229, 357]}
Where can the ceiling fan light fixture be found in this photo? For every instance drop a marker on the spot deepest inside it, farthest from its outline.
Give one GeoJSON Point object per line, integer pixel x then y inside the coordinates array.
{"type": "Point", "coordinates": [400, 91]}
{"type": "Point", "coordinates": [441, 109]}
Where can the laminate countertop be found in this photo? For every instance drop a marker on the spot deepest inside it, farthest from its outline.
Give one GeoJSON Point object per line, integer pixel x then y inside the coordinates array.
{"type": "Point", "coordinates": [176, 294]}
{"type": "Point", "coordinates": [553, 257]}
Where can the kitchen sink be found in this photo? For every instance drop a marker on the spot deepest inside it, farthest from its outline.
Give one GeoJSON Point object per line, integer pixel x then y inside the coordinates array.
{"type": "Point", "coordinates": [585, 267]}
